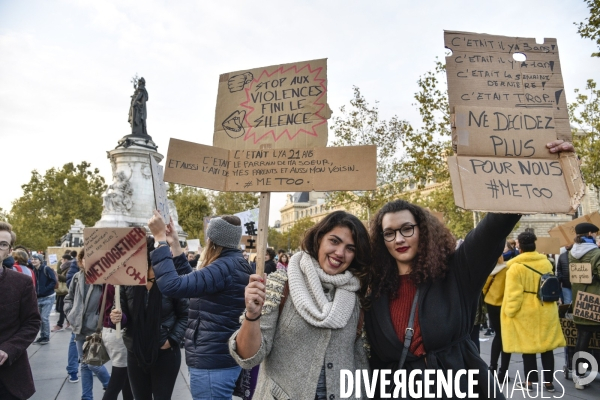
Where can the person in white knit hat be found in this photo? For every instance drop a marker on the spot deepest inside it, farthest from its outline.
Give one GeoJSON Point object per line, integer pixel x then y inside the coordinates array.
{"type": "Point", "coordinates": [306, 321]}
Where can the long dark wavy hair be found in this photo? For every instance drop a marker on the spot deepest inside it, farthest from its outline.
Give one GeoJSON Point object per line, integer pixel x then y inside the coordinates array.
{"type": "Point", "coordinates": [436, 245]}
{"type": "Point", "coordinates": [362, 255]}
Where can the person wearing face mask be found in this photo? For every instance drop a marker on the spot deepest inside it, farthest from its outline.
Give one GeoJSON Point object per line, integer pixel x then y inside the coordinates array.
{"type": "Point", "coordinates": [306, 321]}
{"type": "Point", "coordinates": [46, 282]}
{"type": "Point", "coordinates": [19, 324]}
{"type": "Point", "coordinates": [585, 250]}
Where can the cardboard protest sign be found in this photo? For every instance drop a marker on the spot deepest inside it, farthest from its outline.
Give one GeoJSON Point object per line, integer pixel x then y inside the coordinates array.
{"type": "Point", "coordinates": [115, 255]}
{"type": "Point", "coordinates": [483, 72]}
{"type": "Point", "coordinates": [580, 273]}
{"type": "Point", "coordinates": [249, 220]}
{"type": "Point", "coordinates": [193, 245]}
{"type": "Point", "coordinates": [516, 185]}
{"type": "Point", "coordinates": [272, 170]}
{"type": "Point", "coordinates": [570, 331]}
{"type": "Point", "coordinates": [503, 132]}
{"type": "Point", "coordinates": [587, 306]}
{"type": "Point", "coordinates": [249, 242]}
{"type": "Point", "coordinates": [547, 245]}
{"type": "Point", "coordinates": [566, 232]}
{"type": "Point", "coordinates": [160, 191]}
{"type": "Point", "coordinates": [504, 112]}
{"type": "Point", "coordinates": [281, 105]}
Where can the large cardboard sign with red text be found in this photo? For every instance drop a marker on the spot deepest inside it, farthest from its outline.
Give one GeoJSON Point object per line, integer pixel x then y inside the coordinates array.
{"type": "Point", "coordinates": [115, 255]}
{"type": "Point", "coordinates": [503, 114]}
{"type": "Point", "coordinates": [284, 106]}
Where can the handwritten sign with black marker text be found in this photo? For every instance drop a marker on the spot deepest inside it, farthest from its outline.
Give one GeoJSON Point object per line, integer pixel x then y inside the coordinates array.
{"type": "Point", "coordinates": [273, 170]}
{"type": "Point", "coordinates": [115, 255]}
{"type": "Point", "coordinates": [587, 306]}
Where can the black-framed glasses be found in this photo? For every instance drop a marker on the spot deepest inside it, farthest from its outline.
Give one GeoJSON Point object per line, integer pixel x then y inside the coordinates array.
{"type": "Point", "coordinates": [4, 245]}
{"type": "Point", "coordinates": [389, 235]}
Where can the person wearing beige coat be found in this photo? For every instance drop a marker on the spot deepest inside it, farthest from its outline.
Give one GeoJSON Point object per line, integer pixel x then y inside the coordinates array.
{"type": "Point", "coordinates": [528, 325]}
{"type": "Point", "coordinates": [306, 339]}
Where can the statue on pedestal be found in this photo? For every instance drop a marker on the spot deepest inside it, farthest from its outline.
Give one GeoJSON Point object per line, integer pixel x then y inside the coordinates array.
{"type": "Point", "coordinates": [118, 195]}
{"type": "Point", "coordinates": [137, 109]}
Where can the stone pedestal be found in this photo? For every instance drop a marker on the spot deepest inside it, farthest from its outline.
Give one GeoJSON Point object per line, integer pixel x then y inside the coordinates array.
{"type": "Point", "coordinates": [129, 199]}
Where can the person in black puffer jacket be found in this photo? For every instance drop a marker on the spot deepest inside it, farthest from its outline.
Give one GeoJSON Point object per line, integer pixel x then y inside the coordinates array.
{"type": "Point", "coordinates": [154, 325]}
{"type": "Point", "coordinates": [217, 300]}
{"type": "Point", "coordinates": [563, 274]}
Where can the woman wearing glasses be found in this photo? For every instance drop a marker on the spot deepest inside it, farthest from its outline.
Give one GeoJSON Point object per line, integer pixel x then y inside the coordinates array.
{"type": "Point", "coordinates": [424, 293]}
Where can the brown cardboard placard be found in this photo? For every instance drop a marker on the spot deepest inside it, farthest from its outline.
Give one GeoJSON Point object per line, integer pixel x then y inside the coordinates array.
{"type": "Point", "coordinates": [516, 185]}
{"type": "Point", "coordinates": [547, 245]}
{"type": "Point", "coordinates": [580, 272]}
{"type": "Point", "coordinates": [115, 255]}
{"type": "Point", "coordinates": [587, 306]}
{"type": "Point", "coordinates": [570, 331]}
{"type": "Point", "coordinates": [272, 170]}
{"type": "Point", "coordinates": [503, 132]}
{"type": "Point", "coordinates": [481, 71]}
{"type": "Point", "coordinates": [566, 232]}
{"type": "Point", "coordinates": [249, 242]}
{"type": "Point", "coordinates": [284, 106]}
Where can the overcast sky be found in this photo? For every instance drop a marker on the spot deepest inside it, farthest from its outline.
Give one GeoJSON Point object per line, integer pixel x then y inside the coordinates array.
{"type": "Point", "coordinates": [65, 66]}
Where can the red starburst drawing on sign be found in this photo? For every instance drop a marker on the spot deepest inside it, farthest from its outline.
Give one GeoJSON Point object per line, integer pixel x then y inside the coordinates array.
{"type": "Point", "coordinates": [291, 133]}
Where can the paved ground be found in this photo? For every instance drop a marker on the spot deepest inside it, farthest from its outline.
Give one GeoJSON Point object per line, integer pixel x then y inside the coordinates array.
{"type": "Point", "coordinates": [48, 365]}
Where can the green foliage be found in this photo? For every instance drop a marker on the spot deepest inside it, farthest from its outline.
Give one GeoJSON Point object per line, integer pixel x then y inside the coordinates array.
{"type": "Point", "coordinates": [233, 202]}
{"type": "Point", "coordinates": [277, 240]}
{"type": "Point", "coordinates": [3, 215]}
{"type": "Point", "coordinates": [585, 112]}
{"type": "Point", "coordinates": [295, 235]}
{"type": "Point", "coordinates": [590, 28]}
{"type": "Point", "coordinates": [193, 205]}
{"type": "Point", "coordinates": [51, 203]}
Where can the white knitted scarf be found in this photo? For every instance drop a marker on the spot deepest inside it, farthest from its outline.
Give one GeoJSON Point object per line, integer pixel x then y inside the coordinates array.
{"type": "Point", "coordinates": [306, 280]}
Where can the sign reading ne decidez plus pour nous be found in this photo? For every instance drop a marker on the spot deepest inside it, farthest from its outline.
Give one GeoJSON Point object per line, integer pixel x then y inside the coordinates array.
{"type": "Point", "coordinates": [503, 113]}
{"type": "Point", "coordinates": [115, 255]}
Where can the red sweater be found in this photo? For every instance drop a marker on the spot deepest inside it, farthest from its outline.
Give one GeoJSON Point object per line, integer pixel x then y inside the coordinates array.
{"type": "Point", "coordinates": [400, 313]}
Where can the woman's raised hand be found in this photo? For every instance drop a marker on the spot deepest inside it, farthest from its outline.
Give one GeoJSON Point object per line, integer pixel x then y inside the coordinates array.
{"type": "Point", "coordinates": [560, 145]}
{"type": "Point", "coordinates": [255, 295]}
{"type": "Point", "coordinates": [115, 316]}
{"type": "Point", "coordinates": [157, 227]}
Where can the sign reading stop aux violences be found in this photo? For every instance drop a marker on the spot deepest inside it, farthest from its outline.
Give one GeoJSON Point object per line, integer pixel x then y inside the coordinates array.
{"type": "Point", "coordinates": [115, 255]}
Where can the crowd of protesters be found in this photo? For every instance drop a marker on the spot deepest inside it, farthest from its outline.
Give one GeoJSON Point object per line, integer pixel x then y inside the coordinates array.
{"type": "Point", "coordinates": [401, 294]}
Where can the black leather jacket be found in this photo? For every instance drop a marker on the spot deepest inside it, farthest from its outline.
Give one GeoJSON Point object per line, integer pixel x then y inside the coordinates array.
{"type": "Point", "coordinates": [173, 317]}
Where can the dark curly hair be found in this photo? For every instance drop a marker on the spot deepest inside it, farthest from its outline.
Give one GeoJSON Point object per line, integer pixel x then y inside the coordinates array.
{"type": "Point", "coordinates": [436, 245]}
{"type": "Point", "coordinates": [527, 241]}
{"type": "Point", "coordinates": [362, 255]}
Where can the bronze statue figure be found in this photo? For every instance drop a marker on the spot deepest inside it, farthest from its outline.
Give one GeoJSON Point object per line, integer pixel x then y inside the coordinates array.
{"type": "Point", "coordinates": [137, 109]}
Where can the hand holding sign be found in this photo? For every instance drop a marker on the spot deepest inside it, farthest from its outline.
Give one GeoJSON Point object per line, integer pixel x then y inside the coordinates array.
{"type": "Point", "coordinates": [558, 146]}
{"type": "Point", "coordinates": [255, 295]}
{"type": "Point", "coordinates": [157, 226]}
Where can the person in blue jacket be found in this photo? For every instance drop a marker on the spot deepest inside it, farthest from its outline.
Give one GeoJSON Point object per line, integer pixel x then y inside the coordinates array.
{"type": "Point", "coordinates": [216, 292]}
{"type": "Point", "coordinates": [46, 281]}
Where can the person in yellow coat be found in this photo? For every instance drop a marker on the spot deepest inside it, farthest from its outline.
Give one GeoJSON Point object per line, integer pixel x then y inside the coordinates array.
{"type": "Point", "coordinates": [493, 291]}
{"type": "Point", "coordinates": [528, 325]}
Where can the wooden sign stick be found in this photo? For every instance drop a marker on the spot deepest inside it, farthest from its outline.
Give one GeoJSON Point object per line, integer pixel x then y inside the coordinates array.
{"type": "Point", "coordinates": [263, 231]}
{"type": "Point", "coordinates": [118, 307]}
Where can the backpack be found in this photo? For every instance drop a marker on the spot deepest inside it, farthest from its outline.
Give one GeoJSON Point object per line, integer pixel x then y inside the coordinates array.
{"type": "Point", "coordinates": [548, 288]}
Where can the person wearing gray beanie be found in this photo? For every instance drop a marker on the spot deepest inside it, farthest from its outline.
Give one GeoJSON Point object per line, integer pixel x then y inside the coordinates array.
{"type": "Point", "coordinates": [216, 292]}
{"type": "Point", "coordinates": [223, 233]}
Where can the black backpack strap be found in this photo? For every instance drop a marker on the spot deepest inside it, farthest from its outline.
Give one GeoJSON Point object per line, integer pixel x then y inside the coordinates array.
{"type": "Point", "coordinates": [534, 270]}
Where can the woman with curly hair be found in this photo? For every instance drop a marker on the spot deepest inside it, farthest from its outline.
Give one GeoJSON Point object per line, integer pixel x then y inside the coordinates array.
{"type": "Point", "coordinates": [424, 292]}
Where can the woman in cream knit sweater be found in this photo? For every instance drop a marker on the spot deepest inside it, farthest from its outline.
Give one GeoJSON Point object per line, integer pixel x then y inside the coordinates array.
{"type": "Point", "coordinates": [314, 332]}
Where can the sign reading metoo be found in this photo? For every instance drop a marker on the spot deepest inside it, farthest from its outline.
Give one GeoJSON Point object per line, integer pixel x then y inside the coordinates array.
{"type": "Point", "coordinates": [503, 114]}
{"type": "Point", "coordinates": [115, 255]}
{"type": "Point", "coordinates": [281, 105]}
